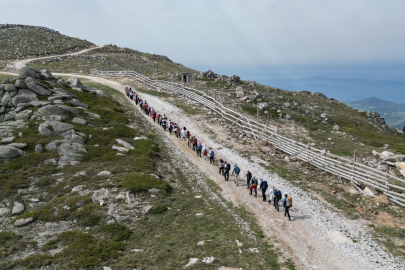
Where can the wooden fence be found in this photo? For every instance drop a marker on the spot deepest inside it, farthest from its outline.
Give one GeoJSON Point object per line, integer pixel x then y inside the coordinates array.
{"type": "Point", "coordinates": [352, 170]}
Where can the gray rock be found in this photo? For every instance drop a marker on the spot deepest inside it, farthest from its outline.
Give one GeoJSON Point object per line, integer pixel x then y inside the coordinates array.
{"type": "Point", "coordinates": [7, 140]}
{"type": "Point", "coordinates": [18, 209]}
{"type": "Point", "coordinates": [81, 173]}
{"type": "Point", "coordinates": [263, 106]}
{"type": "Point", "coordinates": [336, 128]}
{"type": "Point", "coordinates": [288, 117]}
{"type": "Point", "coordinates": [26, 72]}
{"type": "Point", "coordinates": [121, 149]}
{"type": "Point", "coordinates": [240, 92]}
{"type": "Point", "coordinates": [111, 221]}
{"type": "Point", "coordinates": [5, 81]}
{"type": "Point", "coordinates": [77, 103]}
{"type": "Point", "coordinates": [79, 121]}
{"type": "Point", "coordinates": [66, 148]}
{"type": "Point", "coordinates": [18, 145]}
{"type": "Point", "coordinates": [5, 99]}
{"type": "Point", "coordinates": [5, 212]}
{"type": "Point", "coordinates": [74, 81]}
{"type": "Point", "coordinates": [10, 88]}
{"type": "Point", "coordinates": [9, 152]}
{"type": "Point", "coordinates": [54, 110]}
{"type": "Point", "coordinates": [39, 88]}
{"type": "Point", "coordinates": [57, 128]}
{"type": "Point", "coordinates": [100, 93]}
{"type": "Point", "coordinates": [121, 218]}
{"type": "Point", "coordinates": [23, 222]}
{"type": "Point", "coordinates": [38, 148]}
{"type": "Point", "coordinates": [104, 173]}
{"type": "Point", "coordinates": [57, 226]}
{"type": "Point", "coordinates": [24, 96]}
{"type": "Point", "coordinates": [46, 73]}
{"type": "Point", "coordinates": [62, 82]}
{"type": "Point", "coordinates": [93, 115]}
{"type": "Point", "coordinates": [317, 94]}
{"type": "Point", "coordinates": [125, 144]}
{"type": "Point", "coordinates": [20, 84]}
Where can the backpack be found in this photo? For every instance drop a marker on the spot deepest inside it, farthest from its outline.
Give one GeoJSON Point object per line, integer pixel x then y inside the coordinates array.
{"type": "Point", "coordinates": [278, 195]}
{"type": "Point", "coordinates": [211, 153]}
{"type": "Point", "coordinates": [265, 185]}
{"type": "Point", "coordinates": [237, 170]}
{"type": "Point", "coordinates": [289, 199]}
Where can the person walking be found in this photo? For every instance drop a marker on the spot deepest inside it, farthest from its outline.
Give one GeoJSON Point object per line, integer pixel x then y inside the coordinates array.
{"type": "Point", "coordinates": [195, 141]}
{"type": "Point", "coordinates": [188, 138]}
{"type": "Point", "coordinates": [263, 188]}
{"type": "Point", "coordinates": [199, 148]}
{"type": "Point", "coordinates": [212, 156]}
{"type": "Point", "coordinates": [288, 205]}
{"type": "Point", "coordinates": [184, 133]}
{"type": "Point", "coordinates": [227, 168]}
{"type": "Point", "coordinates": [221, 166]}
{"type": "Point", "coordinates": [178, 132]}
{"type": "Point", "coordinates": [270, 193]}
{"type": "Point", "coordinates": [253, 185]}
{"type": "Point", "coordinates": [154, 116]}
{"type": "Point", "coordinates": [205, 152]}
{"type": "Point", "coordinates": [164, 121]}
{"type": "Point", "coordinates": [236, 171]}
{"type": "Point", "coordinates": [170, 126]}
{"type": "Point", "coordinates": [159, 119]}
{"type": "Point", "coordinates": [248, 178]}
{"type": "Point", "coordinates": [277, 198]}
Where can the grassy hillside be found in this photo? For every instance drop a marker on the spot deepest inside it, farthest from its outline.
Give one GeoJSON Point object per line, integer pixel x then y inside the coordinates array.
{"type": "Point", "coordinates": [113, 58]}
{"type": "Point", "coordinates": [23, 41]}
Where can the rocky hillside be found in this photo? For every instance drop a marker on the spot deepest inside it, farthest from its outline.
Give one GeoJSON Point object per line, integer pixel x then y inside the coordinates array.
{"type": "Point", "coordinates": [23, 41]}
{"type": "Point", "coordinates": [87, 183]}
{"type": "Point", "coordinates": [112, 57]}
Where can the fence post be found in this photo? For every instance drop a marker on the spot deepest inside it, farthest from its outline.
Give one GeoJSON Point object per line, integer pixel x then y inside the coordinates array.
{"type": "Point", "coordinates": [309, 151]}
{"type": "Point", "coordinates": [388, 178]}
{"type": "Point", "coordinates": [354, 163]}
{"type": "Point", "coordinates": [278, 129]}
{"type": "Point", "coordinates": [296, 145]}
{"type": "Point", "coordinates": [326, 151]}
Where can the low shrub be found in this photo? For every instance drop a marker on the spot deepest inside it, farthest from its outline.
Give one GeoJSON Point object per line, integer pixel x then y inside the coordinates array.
{"type": "Point", "coordinates": [115, 232]}
{"type": "Point", "coordinates": [158, 209]}
{"type": "Point", "coordinates": [142, 182]}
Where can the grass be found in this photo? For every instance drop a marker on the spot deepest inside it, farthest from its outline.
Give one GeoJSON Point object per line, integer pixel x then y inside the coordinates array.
{"type": "Point", "coordinates": [142, 182]}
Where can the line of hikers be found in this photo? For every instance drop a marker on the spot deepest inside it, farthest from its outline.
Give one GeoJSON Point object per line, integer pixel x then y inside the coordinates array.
{"type": "Point", "coordinates": [275, 195]}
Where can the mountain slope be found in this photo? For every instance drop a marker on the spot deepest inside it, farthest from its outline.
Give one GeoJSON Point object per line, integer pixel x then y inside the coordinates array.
{"type": "Point", "coordinates": [22, 41]}
{"type": "Point", "coordinates": [394, 113]}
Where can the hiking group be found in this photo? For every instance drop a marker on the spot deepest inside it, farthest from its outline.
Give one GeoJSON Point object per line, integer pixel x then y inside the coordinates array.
{"type": "Point", "coordinates": [275, 195]}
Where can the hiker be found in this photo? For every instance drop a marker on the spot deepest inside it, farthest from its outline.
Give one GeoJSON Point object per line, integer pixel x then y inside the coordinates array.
{"type": "Point", "coordinates": [212, 156]}
{"type": "Point", "coordinates": [270, 193]}
{"type": "Point", "coordinates": [170, 126]}
{"type": "Point", "coordinates": [248, 178]}
{"type": "Point", "coordinates": [236, 171]}
{"type": "Point", "coordinates": [195, 143]}
{"type": "Point", "coordinates": [178, 131]}
{"type": "Point", "coordinates": [205, 152]}
{"type": "Point", "coordinates": [175, 129]}
{"type": "Point", "coordinates": [221, 166]}
{"type": "Point", "coordinates": [263, 188]}
{"type": "Point", "coordinates": [277, 198]}
{"type": "Point", "coordinates": [288, 205]}
{"type": "Point", "coordinates": [188, 138]}
{"type": "Point", "coordinates": [184, 133]}
{"type": "Point", "coordinates": [227, 168]}
{"type": "Point", "coordinates": [154, 116]}
{"type": "Point", "coordinates": [136, 99]}
{"type": "Point", "coordinates": [164, 124]}
{"type": "Point", "coordinates": [253, 185]}
{"type": "Point", "coordinates": [159, 119]}
{"type": "Point", "coordinates": [199, 148]}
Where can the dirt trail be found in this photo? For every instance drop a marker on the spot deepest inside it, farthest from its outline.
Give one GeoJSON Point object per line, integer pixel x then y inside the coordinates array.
{"type": "Point", "coordinates": [313, 238]}
{"type": "Point", "coordinates": [22, 63]}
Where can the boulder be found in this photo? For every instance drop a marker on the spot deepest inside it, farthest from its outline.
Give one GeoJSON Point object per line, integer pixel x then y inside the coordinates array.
{"type": "Point", "coordinates": [9, 152]}
{"type": "Point", "coordinates": [240, 92]}
{"type": "Point", "coordinates": [369, 192]}
{"type": "Point", "coordinates": [336, 128]}
{"type": "Point", "coordinates": [79, 121]}
{"type": "Point", "coordinates": [56, 110]}
{"type": "Point", "coordinates": [125, 144]}
{"type": "Point", "coordinates": [375, 153]}
{"type": "Point", "coordinates": [46, 73]}
{"type": "Point", "coordinates": [234, 78]}
{"type": "Point", "coordinates": [121, 149]}
{"type": "Point", "coordinates": [104, 173]}
{"type": "Point", "coordinates": [5, 212]}
{"type": "Point", "coordinates": [57, 128]}
{"type": "Point", "coordinates": [39, 88]}
{"type": "Point", "coordinates": [26, 72]}
{"type": "Point", "coordinates": [99, 93]}
{"type": "Point", "coordinates": [400, 165]}
{"type": "Point", "coordinates": [20, 84]}
{"type": "Point", "coordinates": [92, 115]}
{"type": "Point", "coordinates": [399, 158]}
{"type": "Point", "coordinates": [62, 82]}
{"type": "Point", "coordinates": [77, 103]}
{"type": "Point", "coordinates": [24, 96]}
{"type": "Point", "coordinates": [74, 81]}
{"type": "Point", "coordinates": [10, 88]}
{"type": "Point", "coordinates": [23, 222]}
{"type": "Point", "coordinates": [387, 156]}
{"type": "Point", "coordinates": [18, 145]}
{"type": "Point", "coordinates": [5, 81]}
{"type": "Point", "coordinates": [317, 94]}
{"type": "Point", "coordinates": [18, 209]}
{"type": "Point", "coordinates": [38, 148]}
{"type": "Point", "coordinates": [288, 117]}
{"type": "Point", "coordinates": [8, 140]}
{"type": "Point", "coordinates": [263, 106]}
{"type": "Point", "coordinates": [354, 191]}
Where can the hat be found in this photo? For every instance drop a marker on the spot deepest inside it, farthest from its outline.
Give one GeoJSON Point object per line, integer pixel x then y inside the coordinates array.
{"type": "Point", "coordinates": [236, 165]}
{"type": "Point", "coordinates": [285, 195]}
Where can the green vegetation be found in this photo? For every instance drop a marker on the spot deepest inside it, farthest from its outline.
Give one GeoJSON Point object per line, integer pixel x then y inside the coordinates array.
{"type": "Point", "coordinates": [142, 182]}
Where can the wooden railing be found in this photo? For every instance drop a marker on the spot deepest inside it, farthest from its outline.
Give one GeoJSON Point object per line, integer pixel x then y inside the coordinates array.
{"type": "Point", "coordinates": [351, 170]}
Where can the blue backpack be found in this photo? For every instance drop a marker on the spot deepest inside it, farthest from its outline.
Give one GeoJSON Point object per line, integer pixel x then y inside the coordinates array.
{"type": "Point", "coordinates": [265, 185]}
{"type": "Point", "coordinates": [237, 170]}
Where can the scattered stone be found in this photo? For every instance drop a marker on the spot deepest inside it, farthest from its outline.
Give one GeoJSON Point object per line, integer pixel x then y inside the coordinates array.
{"type": "Point", "coordinates": [18, 209]}
{"type": "Point", "coordinates": [26, 72]}
{"type": "Point", "coordinates": [56, 126]}
{"type": "Point", "coordinates": [9, 152]}
{"type": "Point", "coordinates": [111, 221]}
{"type": "Point", "coordinates": [201, 243]}
{"type": "Point", "coordinates": [153, 190]}
{"type": "Point", "coordinates": [141, 138]}
{"type": "Point", "coordinates": [23, 222]}
{"type": "Point", "coordinates": [208, 260]}
{"type": "Point", "coordinates": [191, 262]}
{"type": "Point", "coordinates": [93, 115]}
{"type": "Point", "coordinates": [121, 149]}
{"type": "Point", "coordinates": [99, 93]}
{"type": "Point", "coordinates": [5, 212]}
{"type": "Point", "coordinates": [81, 173]}
{"type": "Point", "coordinates": [75, 82]}
{"type": "Point", "coordinates": [104, 173]}
{"type": "Point", "coordinates": [240, 92]}
{"type": "Point", "coordinates": [137, 250]}
{"type": "Point", "coordinates": [7, 140]}
{"type": "Point", "coordinates": [125, 144]}
{"type": "Point", "coordinates": [18, 145]}
{"type": "Point", "coordinates": [354, 191]}
{"type": "Point", "coordinates": [78, 188]}
{"type": "Point", "coordinates": [369, 192]}
{"type": "Point", "coordinates": [338, 238]}
{"type": "Point", "coordinates": [121, 218]}
{"type": "Point", "coordinates": [59, 226]}
{"type": "Point", "coordinates": [39, 88]}
{"type": "Point", "coordinates": [79, 121]}
{"type": "Point", "coordinates": [336, 128]}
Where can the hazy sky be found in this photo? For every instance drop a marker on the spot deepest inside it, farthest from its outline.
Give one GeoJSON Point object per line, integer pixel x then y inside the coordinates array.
{"type": "Point", "coordinates": [271, 38]}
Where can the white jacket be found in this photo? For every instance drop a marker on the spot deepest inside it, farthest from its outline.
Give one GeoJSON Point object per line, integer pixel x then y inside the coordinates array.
{"type": "Point", "coordinates": [183, 133]}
